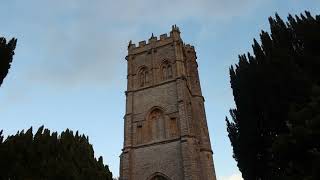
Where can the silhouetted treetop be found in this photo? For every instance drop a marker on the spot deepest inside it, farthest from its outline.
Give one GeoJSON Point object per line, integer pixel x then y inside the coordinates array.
{"type": "Point", "coordinates": [47, 155]}
{"type": "Point", "coordinates": [6, 54]}
{"type": "Point", "coordinates": [275, 130]}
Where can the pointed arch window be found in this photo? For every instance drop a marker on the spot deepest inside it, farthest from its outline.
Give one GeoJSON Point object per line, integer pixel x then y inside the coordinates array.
{"type": "Point", "coordinates": [166, 71]}
{"type": "Point", "coordinates": [157, 126]}
{"type": "Point", "coordinates": [158, 177]}
{"type": "Point", "coordinates": [143, 76]}
{"type": "Point", "coordinates": [157, 122]}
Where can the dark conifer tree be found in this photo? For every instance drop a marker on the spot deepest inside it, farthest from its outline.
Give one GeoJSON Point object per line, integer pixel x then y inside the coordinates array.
{"type": "Point", "coordinates": [275, 130]}
{"type": "Point", "coordinates": [6, 54]}
{"type": "Point", "coordinates": [49, 156]}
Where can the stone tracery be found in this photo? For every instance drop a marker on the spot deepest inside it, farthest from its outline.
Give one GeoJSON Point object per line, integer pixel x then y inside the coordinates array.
{"type": "Point", "coordinates": [166, 70]}
{"type": "Point", "coordinates": [156, 127]}
{"type": "Point", "coordinates": [143, 77]}
{"type": "Point", "coordinates": [156, 119]}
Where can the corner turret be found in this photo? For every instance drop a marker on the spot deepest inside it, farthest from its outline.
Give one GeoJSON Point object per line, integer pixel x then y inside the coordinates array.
{"type": "Point", "coordinates": [175, 32]}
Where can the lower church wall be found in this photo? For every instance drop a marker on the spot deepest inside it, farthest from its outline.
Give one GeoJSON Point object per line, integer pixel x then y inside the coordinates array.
{"type": "Point", "coordinates": [162, 158]}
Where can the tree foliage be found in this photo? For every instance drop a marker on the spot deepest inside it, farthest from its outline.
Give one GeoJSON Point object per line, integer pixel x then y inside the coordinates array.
{"type": "Point", "coordinates": [275, 130]}
{"type": "Point", "coordinates": [49, 156]}
{"type": "Point", "coordinates": [6, 54]}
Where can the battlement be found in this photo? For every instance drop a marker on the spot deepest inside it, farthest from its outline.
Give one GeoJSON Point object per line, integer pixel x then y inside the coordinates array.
{"type": "Point", "coordinates": [188, 46]}
{"type": "Point", "coordinates": [163, 38]}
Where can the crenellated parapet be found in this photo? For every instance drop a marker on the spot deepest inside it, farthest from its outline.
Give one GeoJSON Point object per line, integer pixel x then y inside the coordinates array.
{"type": "Point", "coordinates": [155, 41]}
{"type": "Point", "coordinates": [190, 52]}
{"type": "Point", "coordinates": [188, 47]}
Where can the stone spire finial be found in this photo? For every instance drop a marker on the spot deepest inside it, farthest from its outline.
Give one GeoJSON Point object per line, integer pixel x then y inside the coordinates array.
{"type": "Point", "coordinates": [131, 45]}
{"type": "Point", "coordinates": [152, 38]}
{"type": "Point", "coordinates": [175, 28]}
{"type": "Point", "coordinates": [175, 33]}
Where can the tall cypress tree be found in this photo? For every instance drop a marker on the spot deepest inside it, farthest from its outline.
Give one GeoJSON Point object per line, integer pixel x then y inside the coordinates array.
{"type": "Point", "coordinates": [6, 54]}
{"type": "Point", "coordinates": [276, 124]}
{"type": "Point", "coordinates": [50, 156]}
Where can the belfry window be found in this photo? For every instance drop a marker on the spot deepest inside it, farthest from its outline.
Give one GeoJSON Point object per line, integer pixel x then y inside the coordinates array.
{"type": "Point", "coordinates": [143, 77]}
{"type": "Point", "coordinates": [166, 71]}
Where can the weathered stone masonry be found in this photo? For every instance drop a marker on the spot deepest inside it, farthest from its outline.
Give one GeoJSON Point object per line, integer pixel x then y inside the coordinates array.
{"type": "Point", "coordinates": [165, 128]}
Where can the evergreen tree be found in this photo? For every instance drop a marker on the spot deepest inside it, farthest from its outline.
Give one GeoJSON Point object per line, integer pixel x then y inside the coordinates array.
{"type": "Point", "coordinates": [50, 156]}
{"type": "Point", "coordinates": [6, 54]}
{"type": "Point", "coordinates": [275, 130]}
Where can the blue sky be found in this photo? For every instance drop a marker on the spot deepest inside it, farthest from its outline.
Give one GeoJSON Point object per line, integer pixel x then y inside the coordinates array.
{"type": "Point", "coordinates": [69, 69]}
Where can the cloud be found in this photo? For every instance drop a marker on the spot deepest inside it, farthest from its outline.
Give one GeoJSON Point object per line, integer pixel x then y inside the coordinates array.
{"type": "Point", "coordinates": [231, 177]}
{"type": "Point", "coordinates": [78, 41]}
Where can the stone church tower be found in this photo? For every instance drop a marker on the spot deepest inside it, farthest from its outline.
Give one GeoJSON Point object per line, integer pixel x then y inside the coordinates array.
{"type": "Point", "coordinates": [165, 128]}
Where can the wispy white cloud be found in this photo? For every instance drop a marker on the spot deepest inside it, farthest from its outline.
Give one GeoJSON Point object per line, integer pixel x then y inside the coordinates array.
{"type": "Point", "coordinates": [80, 41]}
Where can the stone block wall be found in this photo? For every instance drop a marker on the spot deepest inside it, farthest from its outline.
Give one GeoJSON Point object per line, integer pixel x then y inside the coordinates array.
{"type": "Point", "coordinates": [165, 129]}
